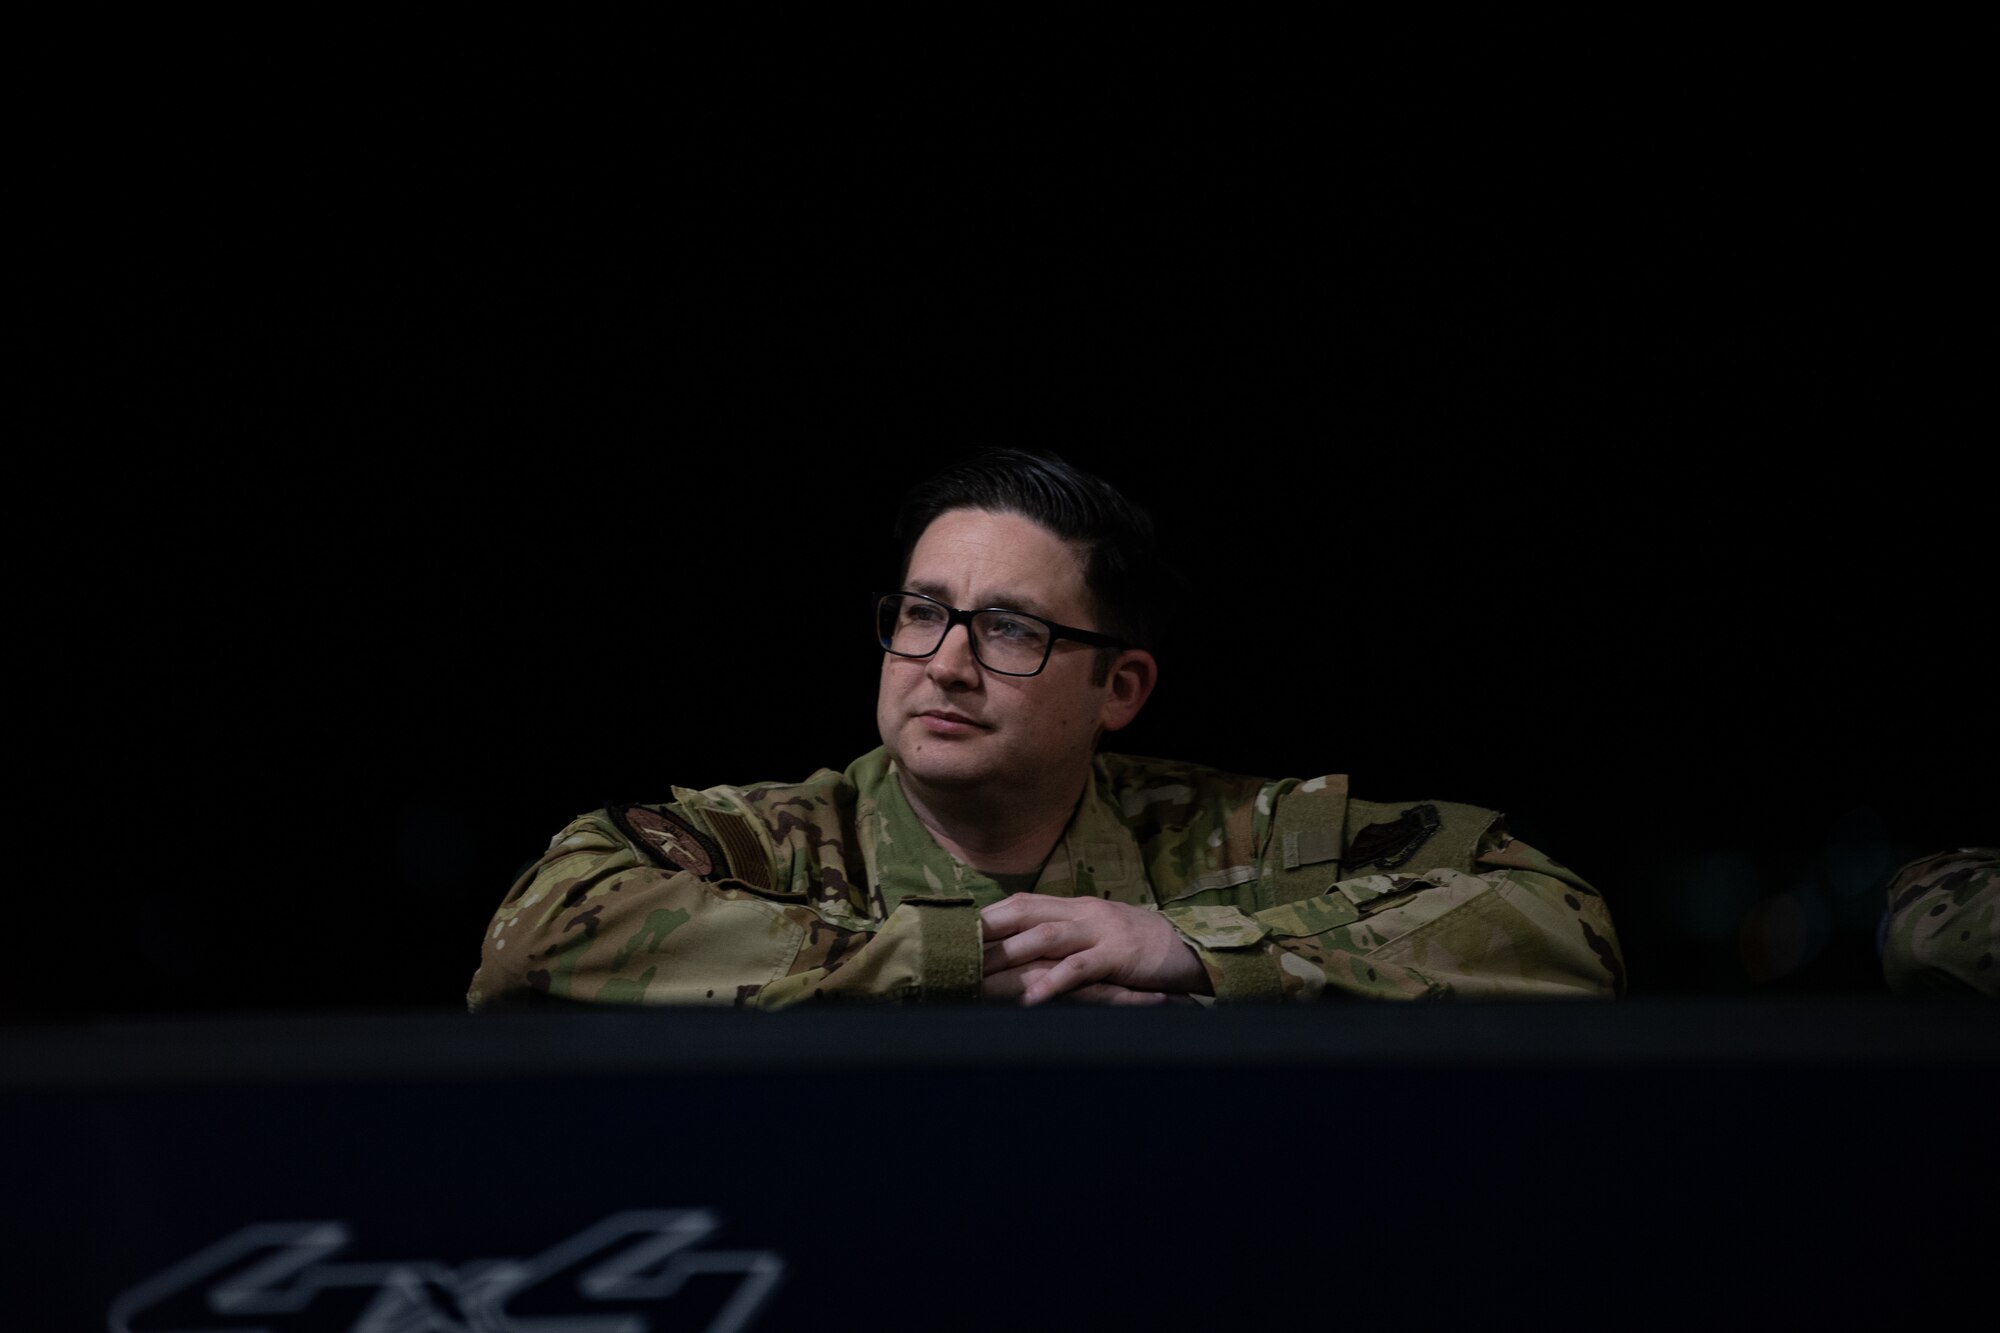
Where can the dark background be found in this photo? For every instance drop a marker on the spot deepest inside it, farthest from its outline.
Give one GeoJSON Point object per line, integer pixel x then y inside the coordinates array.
{"type": "Point", "coordinates": [442, 430]}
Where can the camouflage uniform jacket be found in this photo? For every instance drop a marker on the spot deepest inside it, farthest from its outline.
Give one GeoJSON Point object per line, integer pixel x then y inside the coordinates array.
{"type": "Point", "coordinates": [832, 888]}
{"type": "Point", "coordinates": [1942, 921]}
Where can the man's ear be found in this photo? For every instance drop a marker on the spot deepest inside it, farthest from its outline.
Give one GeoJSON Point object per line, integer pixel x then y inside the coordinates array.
{"type": "Point", "coordinates": [1130, 684]}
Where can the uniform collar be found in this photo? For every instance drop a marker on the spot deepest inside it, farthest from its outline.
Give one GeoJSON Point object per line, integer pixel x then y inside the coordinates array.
{"type": "Point", "coordinates": [1096, 855]}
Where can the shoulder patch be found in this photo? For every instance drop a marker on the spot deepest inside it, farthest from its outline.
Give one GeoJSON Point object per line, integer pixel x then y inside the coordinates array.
{"type": "Point", "coordinates": [672, 843]}
{"type": "Point", "coordinates": [1393, 842]}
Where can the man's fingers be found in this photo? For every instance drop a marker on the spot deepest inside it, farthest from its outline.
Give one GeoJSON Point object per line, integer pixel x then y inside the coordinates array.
{"type": "Point", "coordinates": [1008, 983]}
{"type": "Point", "coordinates": [1018, 912]}
{"type": "Point", "coordinates": [1014, 983]}
{"type": "Point", "coordinates": [1108, 992]}
{"type": "Point", "coordinates": [1050, 939]}
{"type": "Point", "coordinates": [1078, 969]}
{"type": "Point", "coordinates": [1007, 986]}
{"type": "Point", "coordinates": [1135, 947]}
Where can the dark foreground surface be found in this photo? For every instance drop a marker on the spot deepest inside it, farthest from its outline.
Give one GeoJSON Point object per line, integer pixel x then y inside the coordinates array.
{"type": "Point", "coordinates": [1648, 1164]}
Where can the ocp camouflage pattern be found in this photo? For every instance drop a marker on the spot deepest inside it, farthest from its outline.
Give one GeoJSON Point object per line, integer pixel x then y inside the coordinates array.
{"type": "Point", "coordinates": [832, 889]}
{"type": "Point", "coordinates": [1938, 934]}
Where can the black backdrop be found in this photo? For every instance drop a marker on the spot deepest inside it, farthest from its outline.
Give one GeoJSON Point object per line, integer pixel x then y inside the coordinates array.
{"type": "Point", "coordinates": [447, 429]}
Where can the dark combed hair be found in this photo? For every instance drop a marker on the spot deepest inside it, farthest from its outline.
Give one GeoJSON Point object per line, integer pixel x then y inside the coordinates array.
{"type": "Point", "coordinates": [1122, 569]}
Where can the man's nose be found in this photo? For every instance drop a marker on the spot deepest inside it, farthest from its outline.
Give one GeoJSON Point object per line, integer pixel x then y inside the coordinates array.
{"type": "Point", "coordinates": [953, 662]}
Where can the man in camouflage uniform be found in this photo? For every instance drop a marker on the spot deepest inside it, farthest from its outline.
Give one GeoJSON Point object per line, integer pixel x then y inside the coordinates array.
{"type": "Point", "coordinates": [987, 851]}
{"type": "Point", "coordinates": [1938, 932]}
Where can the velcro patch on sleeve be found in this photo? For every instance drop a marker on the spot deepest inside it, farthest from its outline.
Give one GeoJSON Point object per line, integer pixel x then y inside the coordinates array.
{"type": "Point", "coordinates": [1306, 835]}
{"type": "Point", "coordinates": [672, 844]}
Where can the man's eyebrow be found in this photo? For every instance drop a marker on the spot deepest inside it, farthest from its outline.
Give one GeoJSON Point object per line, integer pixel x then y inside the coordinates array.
{"type": "Point", "coordinates": [1005, 601]}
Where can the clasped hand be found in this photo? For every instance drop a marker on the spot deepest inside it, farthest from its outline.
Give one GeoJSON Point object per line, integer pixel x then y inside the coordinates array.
{"type": "Point", "coordinates": [1090, 949]}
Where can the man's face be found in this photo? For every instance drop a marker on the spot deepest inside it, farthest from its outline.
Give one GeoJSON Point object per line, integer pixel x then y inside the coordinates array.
{"type": "Point", "coordinates": [947, 721]}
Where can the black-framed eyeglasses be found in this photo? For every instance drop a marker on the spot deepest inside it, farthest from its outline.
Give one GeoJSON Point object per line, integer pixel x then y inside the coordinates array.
{"type": "Point", "coordinates": [1012, 643]}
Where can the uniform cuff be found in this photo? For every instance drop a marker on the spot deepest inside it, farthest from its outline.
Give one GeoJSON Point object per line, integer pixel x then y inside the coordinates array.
{"type": "Point", "coordinates": [1243, 974]}
{"type": "Point", "coordinates": [1231, 949]}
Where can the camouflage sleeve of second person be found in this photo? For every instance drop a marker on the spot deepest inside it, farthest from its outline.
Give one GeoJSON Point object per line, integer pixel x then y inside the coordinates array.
{"type": "Point", "coordinates": [599, 918]}
{"type": "Point", "coordinates": [1941, 924]}
{"type": "Point", "coordinates": [1473, 912]}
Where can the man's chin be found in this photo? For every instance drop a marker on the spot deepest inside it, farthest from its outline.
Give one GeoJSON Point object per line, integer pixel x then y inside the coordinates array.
{"type": "Point", "coordinates": [945, 767]}
{"type": "Point", "coordinates": [945, 776]}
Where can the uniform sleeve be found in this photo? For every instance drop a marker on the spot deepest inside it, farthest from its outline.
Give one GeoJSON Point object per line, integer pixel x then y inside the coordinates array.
{"type": "Point", "coordinates": [1940, 925]}
{"type": "Point", "coordinates": [595, 920]}
{"type": "Point", "coordinates": [1513, 923]}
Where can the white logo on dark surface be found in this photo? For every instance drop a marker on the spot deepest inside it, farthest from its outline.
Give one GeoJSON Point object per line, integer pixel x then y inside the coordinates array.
{"type": "Point", "coordinates": [280, 1277]}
